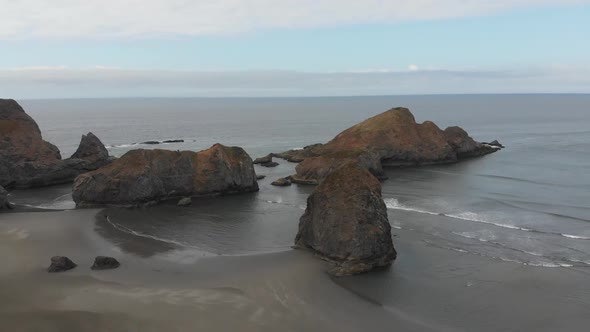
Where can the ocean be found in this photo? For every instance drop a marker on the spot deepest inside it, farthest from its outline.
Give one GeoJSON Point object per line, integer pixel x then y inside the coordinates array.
{"type": "Point", "coordinates": [527, 204]}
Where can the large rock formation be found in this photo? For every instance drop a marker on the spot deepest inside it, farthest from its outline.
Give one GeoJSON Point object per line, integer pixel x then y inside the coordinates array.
{"type": "Point", "coordinates": [26, 160]}
{"type": "Point", "coordinates": [142, 176]}
{"type": "Point", "coordinates": [392, 138]}
{"type": "Point", "coordinates": [346, 222]}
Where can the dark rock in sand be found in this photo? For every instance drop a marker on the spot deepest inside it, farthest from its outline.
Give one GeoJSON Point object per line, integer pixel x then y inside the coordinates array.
{"type": "Point", "coordinates": [345, 222]}
{"type": "Point", "coordinates": [392, 138]}
{"type": "Point", "coordinates": [4, 204]}
{"type": "Point", "coordinates": [186, 201]}
{"type": "Point", "coordinates": [105, 263]}
{"type": "Point", "coordinates": [260, 177]}
{"type": "Point", "coordinates": [282, 182]}
{"type": "Point", "coordinates": [26, 160]}
{"type": "Point", "coordinates": [60, 264]}
{"type": "Point", "coordinates": [142, 176]}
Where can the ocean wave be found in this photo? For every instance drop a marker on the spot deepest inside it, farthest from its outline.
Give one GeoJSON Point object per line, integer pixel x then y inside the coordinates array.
{"type": "Point", "coordinates": [576, 237]}
{"type": "Point", "coordinates": [147, 236]}
{"type": "Point", "coordinates": [550, 264]}
{"type": "Point", "coordinates": [394, 204]}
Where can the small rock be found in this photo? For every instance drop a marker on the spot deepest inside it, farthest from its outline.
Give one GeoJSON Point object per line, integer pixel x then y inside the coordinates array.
{"type": "Point", "coordinates": [150, 142]}
{"type": "Point", "coordinates": [60, 264]}
{"type": "Point", "coordinates": [270, 164]}
{"type": "Point", "coordinates": [186, 201]}
{"type": "Point", "coordinates": [282, 182]}
{"type": "Point", "coordinates": [105, 263]}
{"type": "Point", "coordinates": [263, 160]}
{"type": "Point", "coordinates": [260, 177]}
{"type": "Point", "coordinates": [4, 204]}
{"type": "Point", "coordinates": [173, 141]}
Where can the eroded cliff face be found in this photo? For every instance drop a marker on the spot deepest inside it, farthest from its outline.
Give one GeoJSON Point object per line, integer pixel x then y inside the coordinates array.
{"type": "Point", "coordinates": [392, 138]}
{"type": "Point", "coordinates": [345, 222]}
{"type": "Point", "coordinates": [26, 160]}
{"type": "Point", "coordinates": [142, 176]}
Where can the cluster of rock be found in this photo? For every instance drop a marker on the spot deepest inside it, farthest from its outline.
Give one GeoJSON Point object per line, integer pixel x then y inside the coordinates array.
{"type": "Point", "coordinates": [145, 176]}
{"type": "Point", "coordinates": [392, 138]}
{"type": "Point", "coordinates": [346, 222]}
{"type": "Point", "coordinates": [26, 160]}
{"type": "Point", "coordinates": [63, 263]}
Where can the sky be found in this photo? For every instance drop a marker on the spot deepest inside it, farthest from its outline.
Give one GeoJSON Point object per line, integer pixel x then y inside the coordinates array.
{"type": "Point", "coordinates": [183, 48]}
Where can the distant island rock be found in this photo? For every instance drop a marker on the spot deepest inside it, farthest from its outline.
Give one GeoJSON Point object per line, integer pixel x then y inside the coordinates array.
{"type": "Point", "coordinates": [163, 142]}
{"type": "Point", "coordinates": [345, 222]}
{"type": "Point", "coordinates": [392, 138]}
{"type": "Point", "coordinates": [143, 176]}
{"type": "Point", "coordinates": [26, 160]}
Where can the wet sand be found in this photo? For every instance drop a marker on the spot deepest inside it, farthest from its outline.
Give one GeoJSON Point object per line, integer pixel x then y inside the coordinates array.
{"type": "Point", "coordinates": [159, 288]}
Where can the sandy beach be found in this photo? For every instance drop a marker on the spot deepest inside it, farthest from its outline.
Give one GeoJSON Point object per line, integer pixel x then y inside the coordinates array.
{"type": "Point", "coordinates": [159, 287]}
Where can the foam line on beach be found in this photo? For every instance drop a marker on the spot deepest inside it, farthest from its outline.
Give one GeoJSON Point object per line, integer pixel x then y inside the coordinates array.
{"type": "Point", "coordinates": [394, 204]}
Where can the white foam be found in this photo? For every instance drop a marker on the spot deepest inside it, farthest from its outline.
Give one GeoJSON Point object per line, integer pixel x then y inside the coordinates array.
{"type": "Point", "coordinates": [394, 204]}
{"type": "Point", "coordinates": [576, 237]}
{"type": "Point", "coordinates": [132, 232]}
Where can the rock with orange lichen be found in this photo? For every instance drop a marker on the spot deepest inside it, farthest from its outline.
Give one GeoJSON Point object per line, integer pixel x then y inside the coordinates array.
{"type": "Point", "coordinates": [392, 138]}
{"type": "Point", "coordinates": [346, 223]}
{"type": "Point", "coordinates": [143, 176]}
{"type": "Point", "coordinates": [26, 160]}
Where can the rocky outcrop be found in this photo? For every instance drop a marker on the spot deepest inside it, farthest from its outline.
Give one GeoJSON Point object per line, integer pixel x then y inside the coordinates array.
{"type": "Point", "coordinates": [392, 138]}
{"type": "Point", "coordinates": [61, 264]}
{"type": "Point", "coordinates": [92, 151]}
{"type": "Point", "coordinates": [4, 204]}
{"type": "Point", "coordinates": [105, 263]}
{"type": "Point", "coordinates": [26, 160]}
{"type": "Point", "coordinates": [142, 176]}
{"type": "Point", "coordinates": [345, 222]}
{"type": "Point", "coordinates": [314, 169]}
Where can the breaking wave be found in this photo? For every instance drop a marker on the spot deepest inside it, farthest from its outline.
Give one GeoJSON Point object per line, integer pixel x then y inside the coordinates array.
{"type": "Point", "coordinates": [394, 204]}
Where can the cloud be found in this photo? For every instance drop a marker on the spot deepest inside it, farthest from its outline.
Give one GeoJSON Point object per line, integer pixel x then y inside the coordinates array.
{"type": "Point", "coordinates": [153, 18]}
{"type": "Point", "coordinates": [59, 82]}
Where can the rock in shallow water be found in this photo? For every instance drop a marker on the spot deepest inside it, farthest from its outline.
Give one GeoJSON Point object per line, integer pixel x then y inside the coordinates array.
{"type": "Point", "coordinates": [142, 176]}
{"type": "Point", "coordinates": [282, 182]}
{"type": "Point", "coordinates": [105, 263]}
{"type": "Point", "coordinates": [392, 138]}
{"type": "Point", "coordinates": [60, 264]}
{"type": "Point", "coordinates": [345, 222]}
{"type": "Point", "coordinates": [26, 160]}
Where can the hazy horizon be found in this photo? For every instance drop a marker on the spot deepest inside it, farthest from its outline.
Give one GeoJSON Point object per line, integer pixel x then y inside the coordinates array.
{"type": "Point", "coordinates": [263, 48]}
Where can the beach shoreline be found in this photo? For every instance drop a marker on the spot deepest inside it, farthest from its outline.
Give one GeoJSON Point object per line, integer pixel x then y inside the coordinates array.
{"type": "Point", "coordinates": [426, 289]}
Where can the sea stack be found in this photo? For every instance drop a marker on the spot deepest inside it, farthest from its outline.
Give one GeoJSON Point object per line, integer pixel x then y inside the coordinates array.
{"type": "Point", "coordinates": [144, 176]}
{"type": "Point", "coordinates": [26, 160]}
{"type": "Point", "coordinates": [392, 138]}
{"type": "Point", "coordinates": [346, 223]}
